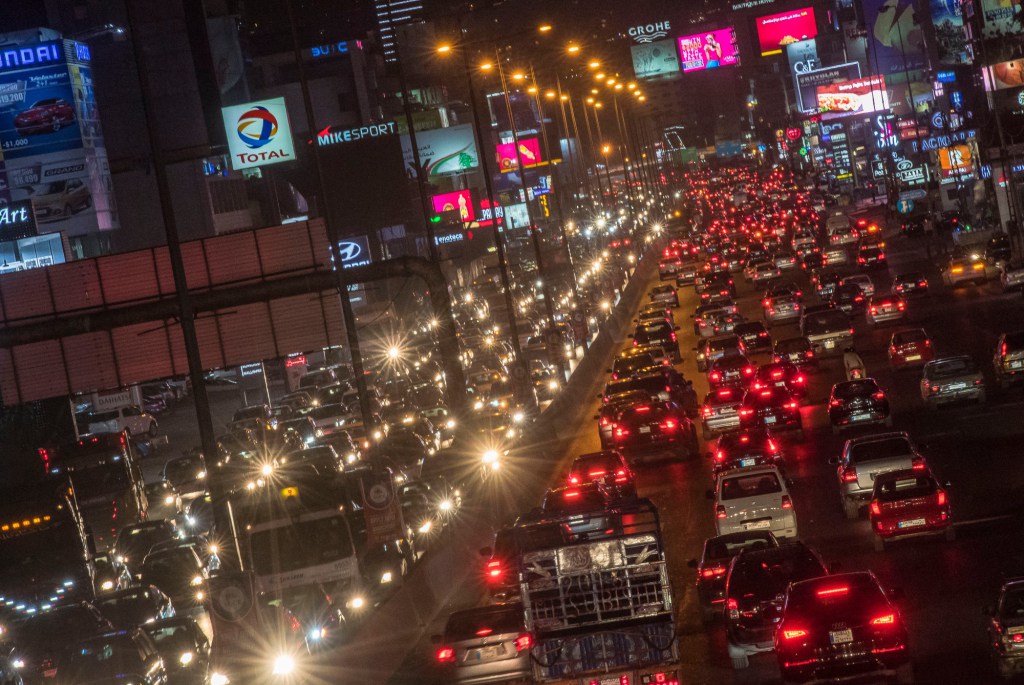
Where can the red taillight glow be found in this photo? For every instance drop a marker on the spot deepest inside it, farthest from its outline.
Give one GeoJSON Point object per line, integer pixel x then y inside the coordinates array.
{"type": "Point", "coordinates": [917, 463]}
{"type": "Point", "coordinates": [484, 632]}
{"type": "Point", "coordinates": [524, 642]}
{"type": "Point", "coordinates": [445, 655]}
{"type": "Point", "coordinates": [720, 511]}
{"type": "Point", "coordinates": [642, 409]}
{"type": "Point", "coordinates": [885, 620]}
{"type": "Point", "coordinates": [571, 494]}
{"type": "Point", "coordinates": [748, 370]}
{"type": "Point", "coordinates": [787, 503]}
{"type": "Point", "coordinates": [746, 411]}
{"type": "Point", "coordinates": [876, 508]}
{"type": "Point", "coordinates": [715, 376]}
{"type": "Point", "coordinates": [793, 633]}
{"type": "Point", "coordinates": [833, 591]}
{"type": "Point", "coordinates": [940, 498]}
{"type": "Point", "coordinates": [850, 474]}
{"type": "Point", "coordinates": [621, 432]}
{"type": "Point", "coordinates": [493, 569]}
{"type": "Point", "coordinates": [669, 425]}
{"type": "Point", "coordinates": [791, 405]}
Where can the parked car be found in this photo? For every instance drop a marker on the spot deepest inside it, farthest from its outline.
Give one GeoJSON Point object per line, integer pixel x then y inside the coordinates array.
{"type": "Point", "coordinates": [131, 419]}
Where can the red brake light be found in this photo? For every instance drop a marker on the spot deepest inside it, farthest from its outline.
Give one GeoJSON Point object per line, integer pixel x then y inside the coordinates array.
{"type": "Point", "coordinates": [574, 480]}
{"type": "Point", "coordinates": [787, 503]}
{"type": "Point", "coordinates": [850, 474]}
{"type": "Point", "coordinates": [885, 620]}
{"type": "Point", "coordinates": [876, 508]}
{"type": "Point", "coordinates": [494, 569]}
{"type": "Point", "coordinates": [879, 395]}
{"type": "Point", "coordinates": [642, 409]}
{"type": "Point", "coordinates": [917, 463]}
{"type": "Point", "coordinates": [776, 375]}
{"type": "Point", "coordinates": [940, 498]}
{"type": "Point", "coordinates": [621, 432]}
{"type": "Point", "coordinates": [746, 411]}
{"type": "Point", "coordinates": [446, 655]}
{"type": "Point", "coordinates": [605, 421]}
{"type": "Point", "coordinates": [596, 473]}
{"type": "Point", "coordinates": [484, 632]}
{"type": "Point", "coordinates": [524, 642]}
{"type": "Point", "coordinates": [571, 494]}
{"type": "Point", "coordinates": [706, 411]}
{"type": "Point", "coordinates": [1002, 349]}
{"type": "Point", "coordinates": [832, 591]}
{"type": "Point", "coordinates": [810, 353]}
{"type": "Point", "coordinates": [669, 425]}
{"type": "Point", "coordinates": [791, 405]}
{"type": "Point", "coordinates": [793, 633]}
{"type": "Point", "coordinates": [720, 511]}
{"type": "Point", "coordinates": [748, 370]}
{"type": "Point", "coordinates": [715, 375]}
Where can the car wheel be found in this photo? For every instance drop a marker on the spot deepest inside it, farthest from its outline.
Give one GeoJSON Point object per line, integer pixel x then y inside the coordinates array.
{"type": "Point", "coordinates": [851, 509]}
{"type": "Point", "coordinates": [879, 544]}
{"type": "Point", "coordinates": [740, 662]}
{"type": "Point", "coordinates": [905, 673]}
{"type": "Point", "coordinates": [152, 429]}
{"type": "Point", "coordinates": [950, 533]}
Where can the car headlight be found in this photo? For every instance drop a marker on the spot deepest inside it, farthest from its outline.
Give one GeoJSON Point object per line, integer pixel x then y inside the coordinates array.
{"type": "Point", "coordinates": [283, 665]}
{"type": "Point", "coordinates": [519, 417]}
{"type": "Point", "coordinates": [386, 576]}
{"type": "Point", "coordinates": [18, 663]}
{"type": "Point", "coordinates": [445, 505]}
{"type": "Point", "coordinates": [425, 527]}
{"type": "Point", "coordinates": [219, 679]}
{"type": "Point", "coordinates": [317, 634]}
{"type": "Point", "coordinates": [267, 469]}
{"type": "Point", "coordinates": [478, 404]}
{"type": "Point", "coordinates": [107, 585]}
{"type": "Point", "coordinates": [350, 457]}
{"type": "Point", "coordinates": [196, 581]}
{"type": "Point", "coordinates": [356, 602]}
{"type": "Point", "coordinates": [450, 424]}
{"type": "Point", "coordinates": [552, 385]}
{"type": "Point", "coordinates": [169, 499]}
{"type": "Point", "coordinates": [201, 475]}
{"type": "Point", "coordinates": [510, 433]}
{"type": "Point", "coordinates": [200, 596]}
{"type": "Point", "coordinates": [319, 432]}
{"type": "Point", "coordinates": [186, 658]}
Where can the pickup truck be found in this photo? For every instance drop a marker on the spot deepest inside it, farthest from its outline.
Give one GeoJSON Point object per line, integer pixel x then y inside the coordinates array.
{"type": "Point", "coordinates": [599, 606]}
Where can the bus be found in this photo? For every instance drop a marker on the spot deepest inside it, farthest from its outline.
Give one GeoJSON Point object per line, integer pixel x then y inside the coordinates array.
{"type": "Point", "coordinates": [45, 556]}
{"type": "Point", "coordinates": [108, 483]}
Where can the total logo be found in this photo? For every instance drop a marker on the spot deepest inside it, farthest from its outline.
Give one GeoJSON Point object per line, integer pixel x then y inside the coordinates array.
{"type": "Point", "coordinates": [258, 133]}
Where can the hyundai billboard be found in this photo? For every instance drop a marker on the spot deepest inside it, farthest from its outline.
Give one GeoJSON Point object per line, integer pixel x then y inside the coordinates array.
{"type": "Point", "coordinates": [776, 31]}
{"type": "Point", "coordinates": [708, 50]}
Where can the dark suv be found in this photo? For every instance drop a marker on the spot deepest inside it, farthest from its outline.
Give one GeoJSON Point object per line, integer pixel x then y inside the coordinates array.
{"type": "Point", "coordinates": [856, 402]}
{"type": "Point", "coordinates": [714, 563]}
{"type": "Point", "coordinates": [754, 591]}
{"type": "Point", "coordinates": [772, 408]}
{"type": "Point", "coordinates": [655, 428]}
{"type": "Point", "coordinates": [658, 333]}
{"type": "Point", "coordinates": [839, 626]}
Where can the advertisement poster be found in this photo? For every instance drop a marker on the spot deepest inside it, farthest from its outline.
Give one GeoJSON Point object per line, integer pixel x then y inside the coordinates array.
{"type": "Point", "coordinates": [950, 39]}
{"type": "Point", "coordinates": [896, 41]}
{"type": "Point", "coordinates": [37, 112]}
{"type": "Point", "coordinates": [956, 161]}
{"type": "Point", "coordinates": [655, 60]}
{"type": "Point", "coordinates": [708, 50]}
{"type": "Point", "coordinates": [808, 82]}
{"type": "Point", "coordinates": [460, 201]}
{"type": "Point", "coordinates": [1004, 75]}
{"type": "Point", "coordinates": [443, 151]}
{"type": "Point", "coordinates": [862, 96]}
{"type": "Point", "coordinates": [529, 155]}
{"type": "Point", "coordinates": [998, 18]}
{"type": "Point", "coordinates": [776, 31]}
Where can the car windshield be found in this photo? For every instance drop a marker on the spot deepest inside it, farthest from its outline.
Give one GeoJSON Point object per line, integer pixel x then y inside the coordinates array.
{"type": "Point", "coordinates": [487, 621]}
{"type": "Point", "coordinates": [738, 487]}
{"type": "Point", "coordinates": [851, 389]}
{"type": "Point", "coordinates": [1012, 604]}
{"type": "Point", "coordinates": [306, 543]}
{"type": "Point", "coordinates": [103, 656]}
{"type": "Point", "coordinates": [894, 489]}
{"type": "Point", "coordinates": [946, 368]}
{"type": "Point", "coordinates": [172, 638]}
{"type": "Point", "coordinates": [887, 448]}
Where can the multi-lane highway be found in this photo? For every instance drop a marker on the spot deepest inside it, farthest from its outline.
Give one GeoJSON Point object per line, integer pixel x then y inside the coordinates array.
{"type": "Point", "coordinates": [978, 450]}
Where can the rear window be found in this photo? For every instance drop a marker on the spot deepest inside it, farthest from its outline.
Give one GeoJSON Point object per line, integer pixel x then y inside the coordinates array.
{"type": "Point", "coordinates": [768, 574]}
{"type": "Point", "coordinates": [596, 462]}
{"type": "Point", "coordinates": [826, 322]}
{"type": "Point", "coordinates": [828, 599]}
{"type": "Point", "coordinates": [468, 625]}
{"type": "Point", "coordinates": [906, 337]}
{"type": "Point", "coordinates": [716, 345]}
{"type": "Point", "coordinates": [951, 367]}
{"type": "Point", "coordinates": [727, 548]}
{"type": "Point", "coordinates": [629, 364]}
{"type": "Point", "coordinates": [652, 385]}
{"type": "Point", "coordinates": [893, 489]}
{"type": "Point", "coordinates": [855, 389]}
{"type": "Point", "coordinates": [738, 487]}
{"type": "Point", "coordinates": [874, 450]}
{"type": "Point", "coordinates": [572, 500]}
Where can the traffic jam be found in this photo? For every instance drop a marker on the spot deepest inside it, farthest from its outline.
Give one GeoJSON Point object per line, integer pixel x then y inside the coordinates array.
{"type": "Point", "coordinates": [796, 461]}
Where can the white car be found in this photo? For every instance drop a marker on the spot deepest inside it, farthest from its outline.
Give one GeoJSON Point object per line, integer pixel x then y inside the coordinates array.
{"type": "Point", "coordinates": [753, 499]}
{"type": "Point", "coordinates": [863, 281]}
{"type": "Point", "coordinates": [130, 418]}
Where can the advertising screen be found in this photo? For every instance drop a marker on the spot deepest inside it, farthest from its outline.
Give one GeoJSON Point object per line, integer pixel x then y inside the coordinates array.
{"type": "Point", "coordinates": [460, 201]}
{"type": "Point", "coordinates": [37, 112]}
{"type": "Point", "coordinates": [998, 17]}
{"type": "Point", "coordinates": [895, 37]}
{"type": "Point", "coordinates": [708, 50]}
{"type": "Point", "coordinates": [443, 151]}
{"type": "Point", "coordinates": [258, 133]}
{"type": "Point", "coordinates": [950, 39]}
{"type": "Point", "coordinates": [776, 31]}
{"type": "Point", "coordinates": [861, 96]}
{"type": "Point", "coordinates": [955, 161]}
{"type": "Point", "coordinates": [655, 60]}
{"type": "Point", "coordinates": [1004, 75]}
{"type": "Point", "coordinates": [529, 153]}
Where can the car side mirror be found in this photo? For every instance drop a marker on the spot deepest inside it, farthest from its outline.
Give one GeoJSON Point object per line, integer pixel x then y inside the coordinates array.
{"type": "Point", "coordinates": [486, 552]}
{"type": "Point", "coordinates": [710, 494]}
{"type": "Point", "coordinates": [692, 563]}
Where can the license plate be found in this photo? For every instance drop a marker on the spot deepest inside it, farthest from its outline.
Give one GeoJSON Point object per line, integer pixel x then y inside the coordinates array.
{"type": "Point", "coordinates": [757, 525]}
{"type": "Point", "coordinates": [957, 386]}
{"type": "Point", "coordinates": [769, 420]}
{"type": "Point", "coordinates": [488, 653]}
{"type": "Point", "coordinates": [645, 429]}
{"type": "Point", "coordinates": [913, 357]}
{"type": "Point", "coordinates": [794, 357]}
{"type": "Point", "coordinates": [726, 411]}
{"type": "Point", "coordinates": [607, 680]}
{"type": "Point", "coordinates": [911, 523]}
{"type": "Point", "coordinates": [860, 417]}
{"type": "Point", "coordinates": [1017, 364]}
{"type": "Point", "coordinates": [749, 461]}
{"type": "Point", "coordinates": [829, 344]}
{"type": "Point", "coordinates": [839, 637]}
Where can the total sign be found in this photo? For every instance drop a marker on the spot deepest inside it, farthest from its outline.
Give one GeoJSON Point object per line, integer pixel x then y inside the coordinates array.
{"type": "Point", "coordinates": [258, 133]}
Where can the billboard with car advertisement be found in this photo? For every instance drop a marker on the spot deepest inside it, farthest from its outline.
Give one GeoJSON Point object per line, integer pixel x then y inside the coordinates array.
{"type": "Point", "coordinates": [861, 96]}
{"type": "Point", "coordinates": [656, 59]}
{"type": "Point", "coordinates": [443, 151]}
{"type": "Point", "coordinates": [776, 31]}
{"type": "Point", "coordinates": [708, 50]}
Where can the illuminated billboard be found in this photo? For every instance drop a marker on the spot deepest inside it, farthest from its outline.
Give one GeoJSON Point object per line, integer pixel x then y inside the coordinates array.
{"type": "Point", "coordinates": [708, 50]}
{"type": "Point", "coordinates": [443, 151]}
{"type": "Point", "coordinates": [460, 201]}
{"type": "Point", "coordinates": [1004, 75]}
{"type": "Point", "coordinates": [656, 59]}
{"type": "Point", "coordinates": [258, 133]}
{"type": "Point", "coordinates": [1000, 18]}
{"type": "Point", "coordinates": [861, 96]}
{"type": "Point", "coordinates": [776, 31]}
{"type": "Point", "coordinates": [529, 154]}
{"type": "Point", "coordinates": [808, 82]}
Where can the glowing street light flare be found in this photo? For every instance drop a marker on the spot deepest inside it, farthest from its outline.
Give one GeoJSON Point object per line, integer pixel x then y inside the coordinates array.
{"type": "Point", "coordinates": [594, 65]}
{"type": "Point", "coordinates": [444, 48]}
{"type": "Point", "coordinates": [573, 49]}
{"type": "Point", "coordinates": [518, 76]}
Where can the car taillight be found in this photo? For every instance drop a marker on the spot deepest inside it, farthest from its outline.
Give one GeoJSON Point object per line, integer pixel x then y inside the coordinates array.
{"type": "Point", "coordinates": [1002, 349]}
{"type": "Point", "coordinates": [746, 411]}
{"type": "Point", "coordinates": [934, 388]}
{"type": "Point", "coordinates": [851, 331]}
{"type": "Point", "coordinates": [879, 395]}
{"type": "Point", "coordinates": [669, 425]}
{"type": "Point", "coordinates": [834, 402]}
{"type": "Point", "coordinates": [791, 405]}
{"type": "Point", "coordinates": [673, 336]}
{"type": "Point", "coordinates": [748, 370]}
{"type": "Point", "coordinates": [621, 432]}
{"type": "Point", "coordinates": [714, 571]}
{"type": "Point", "coordinates": [494, 570]}
{"type": "Point", "coordinates": [636, 343]}
{"type": "Point", "coordinates": [799, 379]}
{"type": "Point", "coordinates": [850, 474]}
{"type": "Point", "coordinates": [876, 508]}
{"type": "Point", "coordinates": [733, 607]}
{"type": "Point", "coordinates": [787, 503]}
{"type": "Point", "coordinates": [874, 309]}
{"type": "Point", "coordinates": [720, 511]}
{"type": "Point", "coordinates": [715, 376]}
{"type": "Point", "coordinates": [901, 306]}
{"type": "Point", "coordinates": [605, 421]}
{"type": "Point", "coordinates": [621, 476]}
{"type": "Point", "coordinates": [884, 620]}
{"type": "Point", "coordinates": [707, 412]}
{"type": "Point", "coordinates": [446, 655]}
{"type": "Point", "coordinates": [810, 353]}
{"type": "Point", "coordinates": [940, 498]}
{"type": "Point", "coordinates": [917, 463]}
{"type": "Point", "coordinates": [524, 642]}
{"type": "Point", "coordinates": [922, 284]}
{"type": "Point", "coordinates": [793, 633]}
{"type": "Point", "coordinates": [574, 480]}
